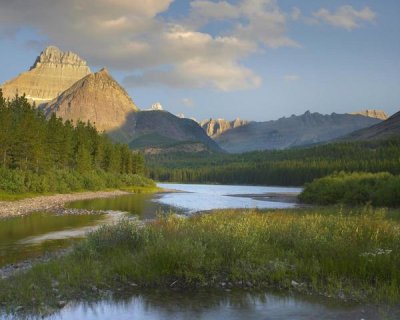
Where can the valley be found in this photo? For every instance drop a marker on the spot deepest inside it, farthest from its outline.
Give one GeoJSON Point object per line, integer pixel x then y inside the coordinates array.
{"type": "Point", "coordinates": [108, 209]}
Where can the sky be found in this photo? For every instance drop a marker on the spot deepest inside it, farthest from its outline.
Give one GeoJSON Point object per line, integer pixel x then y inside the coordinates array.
{"type": "Point", "coordinates": [253, 59]}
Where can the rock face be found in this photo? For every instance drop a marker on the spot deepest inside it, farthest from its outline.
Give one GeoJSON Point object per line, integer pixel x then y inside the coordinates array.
{"type": "Point", "coordinates": [215, 127]}
{"type": "Point", "coordinates": [53, 72]}
{"type": "Point", "coordinates": [372, 113]}
{"type": "Point", "coordinates": [385, 129]}
{"type": "Point", "coordinates": [97, 98]}
{"type": "Point", "coordinates": [293, 131]}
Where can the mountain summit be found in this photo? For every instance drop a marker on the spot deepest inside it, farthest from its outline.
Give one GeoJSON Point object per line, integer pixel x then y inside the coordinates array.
{"type": "Point", "coordinates": [372, 113]}
{"type": "Point", "coordinates": [216, 127]}
{"type": "Point", "coordinates": [97, 98]}
{"type": "Point", "coordinates": [53, 72]}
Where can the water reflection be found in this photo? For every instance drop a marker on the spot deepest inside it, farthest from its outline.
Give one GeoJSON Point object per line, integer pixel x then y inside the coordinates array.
{"type": "Point", "coordinates": [157, 305]}
{"type": "Point", "coordinates": [198, 197]}
{"type": "Point", "coordinates": [16, 234]}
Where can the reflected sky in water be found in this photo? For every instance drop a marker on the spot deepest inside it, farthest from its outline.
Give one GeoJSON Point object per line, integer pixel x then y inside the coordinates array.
{"type": "Point", "coordinates": [219, 305]}
{"type": "Point", "coordinates": [197, 197]}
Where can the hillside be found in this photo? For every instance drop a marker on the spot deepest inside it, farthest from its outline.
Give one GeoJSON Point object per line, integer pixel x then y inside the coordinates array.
{"type": "Point", "coordinates": [148, 130]}
{"type": "Point", "coordinates": [385, 129]}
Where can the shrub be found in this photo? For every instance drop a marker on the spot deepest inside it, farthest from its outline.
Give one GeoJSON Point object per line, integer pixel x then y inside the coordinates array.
{"type": "Point", "coordinates": [379, 189]}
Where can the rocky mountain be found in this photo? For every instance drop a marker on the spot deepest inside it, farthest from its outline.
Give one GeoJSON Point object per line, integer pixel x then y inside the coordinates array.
{"type": "Point", "coordinates": [97, 98]}
{"type": "Point", "coordinates": [293, 131]}
{"type": "Point", "coordinates": [215, 127]}
{"type": "Point", "coordinates": [154, 130]}
{"type": "Point", "coordinates": [156, 106]}
{"type": "Point", "coordinates": [372, 113]}
{"type": "Point", "coordinates": [385, 129]}
{"type": "Point", "coordinates": [53, 72]}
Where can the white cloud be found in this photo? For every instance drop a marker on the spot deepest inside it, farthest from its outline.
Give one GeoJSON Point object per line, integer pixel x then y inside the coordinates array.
{"type": "Point", "coordinates": [136, 36]}
{"type": "Point", "coordinates": [346, 17]}
{"type": "Point", "coordinates": [260, 21]}
{"type": "Point", "coordinates": [130, 36]}
{"type": "Point", "coordinates": [224, 76]}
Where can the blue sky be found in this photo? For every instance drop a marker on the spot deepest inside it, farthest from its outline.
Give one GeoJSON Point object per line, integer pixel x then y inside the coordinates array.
{"type": "Point", "coordinates": [253, 59]}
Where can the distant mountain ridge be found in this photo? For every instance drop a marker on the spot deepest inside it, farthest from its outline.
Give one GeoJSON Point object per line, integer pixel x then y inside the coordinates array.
{"type": "Point", "coordinates": [385, 129]}
{"type": "Point", "coordinates": [53, 72]}
{"type": "Point", "coordinates": [308, 128]}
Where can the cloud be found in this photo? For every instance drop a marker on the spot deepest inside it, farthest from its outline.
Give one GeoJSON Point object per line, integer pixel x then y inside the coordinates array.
{"type": "Point", "coordinates": [223, 76]}
{"type": "Point", "coordinates": [260, 21]}
{"type": "Point", "coordinates": [291, 77]}
{"type": "Point", "coordinates": [133, 37]}
{"type": "Point", "coordinates": [187, 102]}
{"type": "Point", "coordinates": [346, 17]}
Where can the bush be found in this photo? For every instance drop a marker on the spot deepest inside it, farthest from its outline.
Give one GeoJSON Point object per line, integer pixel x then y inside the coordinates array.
{"type": "Point", "coordinates": [378, 189]}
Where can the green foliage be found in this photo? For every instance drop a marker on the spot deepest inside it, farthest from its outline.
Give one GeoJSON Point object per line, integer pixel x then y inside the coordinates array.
{"type": "Point", "coordinates": [65, 180]}
{"type": "Point", "coordinates": [278, 167]}
{"type": "Point", "coordinates": [349, 253]}
{"type": "Point", "coordinates": [378, 189]}
{"type": "Point", "coordinates": [39, 155]}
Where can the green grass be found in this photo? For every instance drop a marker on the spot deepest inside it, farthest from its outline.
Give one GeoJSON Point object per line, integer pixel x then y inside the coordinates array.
{"type": "Point", "coordinates": [338, 252]}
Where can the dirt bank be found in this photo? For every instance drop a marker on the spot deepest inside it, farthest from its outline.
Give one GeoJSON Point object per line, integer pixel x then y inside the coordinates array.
{"type": "Point", "coordinates": [50, 203]}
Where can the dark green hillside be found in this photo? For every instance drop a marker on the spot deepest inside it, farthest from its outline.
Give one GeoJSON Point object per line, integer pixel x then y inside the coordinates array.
{"type": "Point", "coordinates": [148, 129]}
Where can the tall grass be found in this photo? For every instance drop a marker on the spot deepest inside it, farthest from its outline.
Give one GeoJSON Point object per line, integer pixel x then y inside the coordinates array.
{"type": "Point", "coordinates": [335, 252]}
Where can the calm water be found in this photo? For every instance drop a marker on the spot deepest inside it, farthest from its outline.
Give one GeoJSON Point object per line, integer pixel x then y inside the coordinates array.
{"type": "Point", "coordinates": [197, 197]}
{"type": "Point", "coordinates": [32, 235]}
{"type": "Point", "coordinates": [235, 305]}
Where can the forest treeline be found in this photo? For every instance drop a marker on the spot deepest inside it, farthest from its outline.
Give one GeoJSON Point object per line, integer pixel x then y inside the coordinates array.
{"type": "Point", "coordinates": [39, 155]}
{"type": "Point", "coordinates": [292, 167]}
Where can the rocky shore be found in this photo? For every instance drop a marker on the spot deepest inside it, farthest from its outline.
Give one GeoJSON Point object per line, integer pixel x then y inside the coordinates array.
{"type": "Point", "coordinates": [54, 203]}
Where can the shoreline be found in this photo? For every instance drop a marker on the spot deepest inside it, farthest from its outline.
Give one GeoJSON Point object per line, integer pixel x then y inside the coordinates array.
{"type": "Point", "coordinates": [51, 203]}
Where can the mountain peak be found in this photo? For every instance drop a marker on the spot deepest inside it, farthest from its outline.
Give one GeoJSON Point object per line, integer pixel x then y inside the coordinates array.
{"type": "Point", "coordinates": [52, 55]}
{"type": "Point", "coordinates": [52, 72]}
{"type": "Point", "coordinates": [372, 113]}
{"type": "Point", "coordinates": [104, 70]}
{"type": "Point", "coordinates": [97, 98]}
{"type": "Point", "coordinates": [215, 127]}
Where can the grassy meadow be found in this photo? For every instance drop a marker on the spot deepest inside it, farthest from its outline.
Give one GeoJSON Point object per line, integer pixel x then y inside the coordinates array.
{"type": "Point", "coordinates": [337, 252]}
